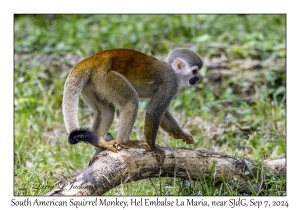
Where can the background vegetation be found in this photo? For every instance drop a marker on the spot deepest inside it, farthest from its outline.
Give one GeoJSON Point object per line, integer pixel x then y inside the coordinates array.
{"type": "Point", "coordinates": [238, 107]}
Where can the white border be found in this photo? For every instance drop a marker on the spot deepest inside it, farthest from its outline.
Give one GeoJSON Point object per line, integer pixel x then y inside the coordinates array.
{"type": "Point", "coordinates": [8, 8]}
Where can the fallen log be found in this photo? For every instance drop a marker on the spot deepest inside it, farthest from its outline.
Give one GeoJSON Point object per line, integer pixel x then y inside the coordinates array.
{"type": "Point", "coordinates": [108, 169]}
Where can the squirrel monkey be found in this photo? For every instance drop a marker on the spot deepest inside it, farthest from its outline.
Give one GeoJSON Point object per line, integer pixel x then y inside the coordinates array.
{"type": "Point", "coordinates": [119, 77]}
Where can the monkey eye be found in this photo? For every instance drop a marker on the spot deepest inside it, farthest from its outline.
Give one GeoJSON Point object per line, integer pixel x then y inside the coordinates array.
{"type": "Point", "coordinates": [194, 71]}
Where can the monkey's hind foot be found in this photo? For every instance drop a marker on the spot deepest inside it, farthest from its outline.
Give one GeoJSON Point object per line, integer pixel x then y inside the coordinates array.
{"type": "Point", "coordinates": [135, 144]}
{"type": "Point", "coordinates": [160, 155]}
{"type": "Point", "coordinates": [108, 144]}
{"type": "Point", "coordinates": [106, 137]}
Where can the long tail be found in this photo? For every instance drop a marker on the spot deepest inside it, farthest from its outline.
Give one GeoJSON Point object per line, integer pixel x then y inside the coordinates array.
{"type": "Point", "coordinates": [73, 87]}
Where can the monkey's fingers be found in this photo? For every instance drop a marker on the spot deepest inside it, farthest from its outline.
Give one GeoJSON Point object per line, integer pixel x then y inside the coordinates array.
{"type": "Point", "coordinates": [188, 140]}
{"type": "Point", "coordinates": [109, 145]}
{"type": "Point", "coordinates": [146, 146]}
{"type": "Point", "coordinates": [111, 148]}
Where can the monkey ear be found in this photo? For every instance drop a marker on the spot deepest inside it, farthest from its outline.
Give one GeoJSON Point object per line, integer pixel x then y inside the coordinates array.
{"type": "Point", "coordinates": [178, 64]}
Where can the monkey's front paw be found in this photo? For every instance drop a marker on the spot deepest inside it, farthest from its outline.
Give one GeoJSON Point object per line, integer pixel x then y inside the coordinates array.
{"type": "Point", "coordinates": [188, 139]}
{"type": "Point", "coordinates": [144, 145]}
{"type": "Point", "coordinates": [160, 155]}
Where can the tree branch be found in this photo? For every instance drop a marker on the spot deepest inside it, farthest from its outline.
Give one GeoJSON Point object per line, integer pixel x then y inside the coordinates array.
{"type": "Point", "coordinates": [108, 170]}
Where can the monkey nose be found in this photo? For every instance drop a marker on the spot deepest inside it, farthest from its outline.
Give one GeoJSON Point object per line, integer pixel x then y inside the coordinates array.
{"type": "Point", "coordinates": [193, 80]}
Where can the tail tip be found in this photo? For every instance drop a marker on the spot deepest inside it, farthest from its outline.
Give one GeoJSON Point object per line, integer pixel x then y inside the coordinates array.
{"type": "Point", "coordinates": [84, 135]}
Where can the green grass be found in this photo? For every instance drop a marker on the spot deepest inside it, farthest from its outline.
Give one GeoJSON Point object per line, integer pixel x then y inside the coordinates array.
{"type": "Point", "coordinates": [242, 114]}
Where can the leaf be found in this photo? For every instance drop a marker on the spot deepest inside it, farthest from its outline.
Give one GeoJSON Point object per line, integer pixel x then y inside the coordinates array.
{"type": "Point", "coordinates": [203, 38]}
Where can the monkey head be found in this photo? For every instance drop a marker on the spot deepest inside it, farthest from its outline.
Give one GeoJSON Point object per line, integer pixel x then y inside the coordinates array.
{"type": "Point", "coordinates": [186, 65]}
